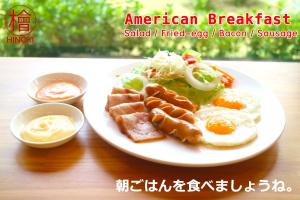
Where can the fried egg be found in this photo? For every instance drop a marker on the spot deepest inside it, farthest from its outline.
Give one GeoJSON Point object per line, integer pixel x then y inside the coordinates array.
{"type": "Point", "coordinates": [238, 100]}
{"type": "Point", "coordinates": [225, 127]}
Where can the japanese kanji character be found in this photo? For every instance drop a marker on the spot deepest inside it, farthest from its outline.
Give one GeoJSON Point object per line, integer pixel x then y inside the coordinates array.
{"type": "Point", "coordinates": [193, 186]}
{"type": "Point", "coordinates": [122, 185]}
{"type": "Point", "coordinates": [23, 21]}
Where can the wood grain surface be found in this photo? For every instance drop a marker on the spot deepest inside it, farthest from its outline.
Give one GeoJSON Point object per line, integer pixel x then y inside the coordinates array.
{"type": "Point", "coordinates": [87, 167]}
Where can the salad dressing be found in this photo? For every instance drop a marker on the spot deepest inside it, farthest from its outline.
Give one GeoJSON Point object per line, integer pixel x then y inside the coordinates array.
{"type": "Point", "coordinates": [58, 91]}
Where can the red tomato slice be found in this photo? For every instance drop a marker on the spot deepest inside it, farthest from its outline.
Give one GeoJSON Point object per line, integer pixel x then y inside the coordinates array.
{"type": "Point", "coordinates": [189, 58]}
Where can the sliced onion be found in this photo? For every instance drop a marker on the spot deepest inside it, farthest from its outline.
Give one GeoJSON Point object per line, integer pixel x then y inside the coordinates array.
{"type": "Point", "coordinates": [189, 77]}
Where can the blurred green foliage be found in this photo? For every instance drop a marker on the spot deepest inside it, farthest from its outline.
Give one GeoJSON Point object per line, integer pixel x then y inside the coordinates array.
{"type": "Point", "coordinates": [95, 28]}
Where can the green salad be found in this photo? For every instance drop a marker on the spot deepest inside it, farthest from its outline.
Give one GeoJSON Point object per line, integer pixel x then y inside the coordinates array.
{"type": "Point", "coordinates": [184, 74]}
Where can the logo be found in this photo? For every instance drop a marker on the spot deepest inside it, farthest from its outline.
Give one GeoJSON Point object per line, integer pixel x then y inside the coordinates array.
{"type": "Point", "coordinates": [20, 22]}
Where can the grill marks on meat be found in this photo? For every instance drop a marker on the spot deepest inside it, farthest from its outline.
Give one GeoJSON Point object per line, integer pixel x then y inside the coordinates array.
{"type": "Point", "coordinates": [169, 113]}
{"type": "Point", "coordinates": [184, 130]}
{"type": "Point", "coordinates": [172, 113]}
{"type": "Point", "coordinates": [128, 110]}
{"type": "Point", "coordinates": [170, 109]}
{"type": "Point", "coordinates": [170, 96]}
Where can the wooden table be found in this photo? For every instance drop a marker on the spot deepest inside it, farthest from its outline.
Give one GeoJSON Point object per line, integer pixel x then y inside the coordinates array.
{"type": "Point", "coordinates": [87, 167]}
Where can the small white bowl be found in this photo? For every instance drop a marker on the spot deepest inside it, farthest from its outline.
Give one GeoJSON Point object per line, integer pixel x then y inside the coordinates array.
{"type": "Point", "coordinates": [24, 117]}
{"type": "Point", "coordinates": [41, 81]}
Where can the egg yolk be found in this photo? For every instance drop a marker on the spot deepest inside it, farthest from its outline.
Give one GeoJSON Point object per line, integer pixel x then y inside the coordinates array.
{"type": "Point", "coordinates": [228, 103]}
{"type": "Point", "coordinates": [220, 125]}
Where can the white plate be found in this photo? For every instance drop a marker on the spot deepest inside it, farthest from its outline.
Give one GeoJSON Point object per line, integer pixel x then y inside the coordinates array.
{"type": "Point", "coordinates": [172, 152]}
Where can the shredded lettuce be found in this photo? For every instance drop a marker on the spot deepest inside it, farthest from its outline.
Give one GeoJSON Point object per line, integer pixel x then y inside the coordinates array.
{"type": "Point", "coordinates": [168, 69]}
{"type": "Point", "coordinates": [165, 65]}
{"type": "Point", "coordinates": [196, 96]}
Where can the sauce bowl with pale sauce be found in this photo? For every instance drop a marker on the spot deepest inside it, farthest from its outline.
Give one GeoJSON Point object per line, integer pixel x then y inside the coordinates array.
{"type": "Point", "coordinates": [57, 87]}
{"type": "Point", "coordinates": [47, 125]}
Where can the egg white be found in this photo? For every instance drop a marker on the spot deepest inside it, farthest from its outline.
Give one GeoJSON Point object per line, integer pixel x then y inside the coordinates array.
{"type": "Point", "coordinates": [245, 130]}
{"type": "Point", "coordinates": [252, 103]}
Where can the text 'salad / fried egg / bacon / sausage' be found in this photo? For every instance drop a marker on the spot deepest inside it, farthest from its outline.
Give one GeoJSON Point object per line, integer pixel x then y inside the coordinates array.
{"type": "Point", "coordinates": [183, 97]}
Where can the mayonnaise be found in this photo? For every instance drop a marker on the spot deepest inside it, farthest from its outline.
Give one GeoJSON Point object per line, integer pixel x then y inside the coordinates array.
{"type": "Point", "coordinates": [48, 128]}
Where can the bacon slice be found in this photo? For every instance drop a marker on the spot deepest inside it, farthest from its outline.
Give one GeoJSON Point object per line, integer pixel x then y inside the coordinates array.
{"type": "Point", "coordinates": [137, 127]}
{"type": "Point", "coordinates": [170, 96]}
{"type": "Point", "coordinates": [116, 99]}
{"type": "Point", "coordinates": [123, 91]}
{"type": "Point", "coordinates": [170, 109]}
{"type": "Point", "coordinates": [185, 131]}
{"type": "Point", "coordinates": [126, 108]}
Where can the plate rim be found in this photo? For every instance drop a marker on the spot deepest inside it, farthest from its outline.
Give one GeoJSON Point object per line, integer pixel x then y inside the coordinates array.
{"type": "Point", "coordinates": [190, 165]}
